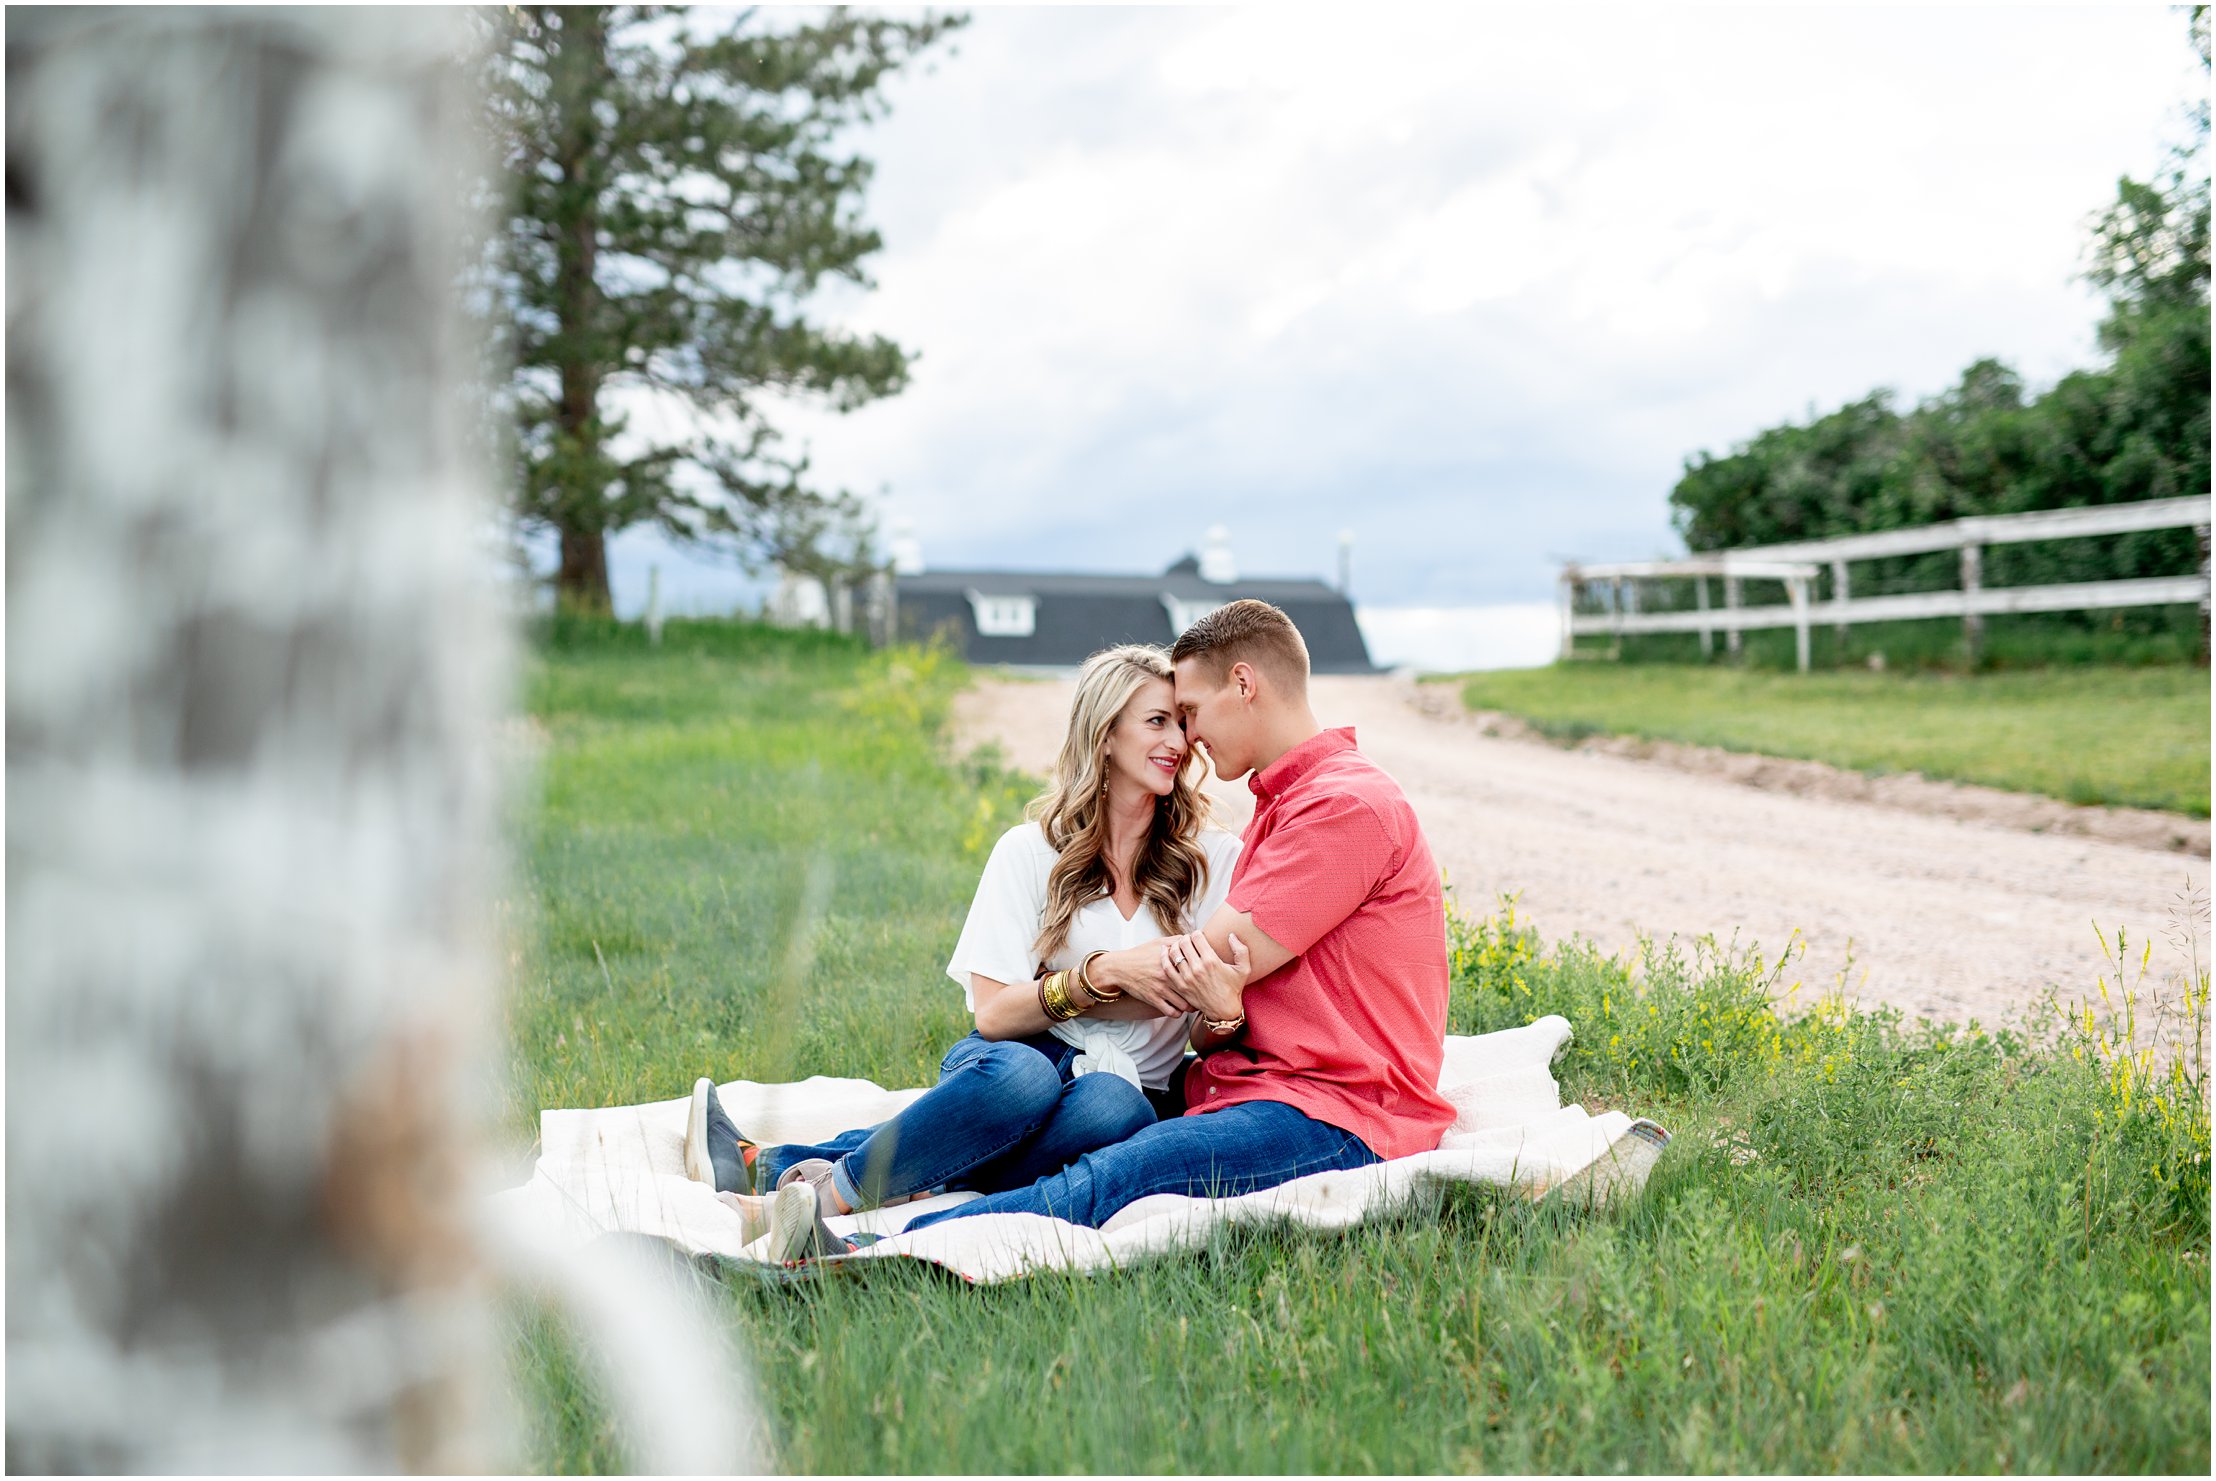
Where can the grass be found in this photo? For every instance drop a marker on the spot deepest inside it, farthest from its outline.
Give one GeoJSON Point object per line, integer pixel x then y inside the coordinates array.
{"type": "Point", "coordinates": [697, 800]}
{"type": "Point", "coordinates": [1873, 1246]}
{"type": "Point", "coordinates": [2134, 737]}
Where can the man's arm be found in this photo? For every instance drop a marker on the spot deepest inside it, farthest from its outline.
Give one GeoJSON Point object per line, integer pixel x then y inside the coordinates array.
{"type": "Point", "coordinates": [1265, 954]}
{"type": "Point", "coordinates": [1214, 966]}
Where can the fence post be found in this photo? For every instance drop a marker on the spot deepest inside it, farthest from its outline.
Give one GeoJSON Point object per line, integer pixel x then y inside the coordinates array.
{"type": "Point", "coordinates": [2200, 533]}
{"type": "Point", "coordinates": [888, 609]}
{"type": "Point", "coordinates": [1700, 600]}
{"type": "Point", "coordinates": [1796, 590]}
{"type": "Point", "coordinates": [654, 606]}
{"type": "Point", "coordinates": [1839, 603]}
{"type": "Point", "coordinates": [1973, 622]}
{"type": "Point", "coordinates": [1569, 609]}
{"type": "Point", "coordinates": [1731, 606]}
{"type": "Point", "coordinates": [1616, 616]}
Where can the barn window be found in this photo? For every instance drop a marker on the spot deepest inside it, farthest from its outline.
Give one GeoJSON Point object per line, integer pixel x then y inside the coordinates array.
{"type": "Point", "coordinates": [1004, 617]}
{"type": "Point", "coordinates": [1185, 614]}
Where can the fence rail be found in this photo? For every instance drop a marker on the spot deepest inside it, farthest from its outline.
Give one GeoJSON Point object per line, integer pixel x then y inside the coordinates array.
{"type": "Point", "coordinates": [1797, 565]}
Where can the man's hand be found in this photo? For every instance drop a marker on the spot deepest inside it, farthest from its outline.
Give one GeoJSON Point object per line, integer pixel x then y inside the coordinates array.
{"type": "Point", "coordinates": [1211, 984]}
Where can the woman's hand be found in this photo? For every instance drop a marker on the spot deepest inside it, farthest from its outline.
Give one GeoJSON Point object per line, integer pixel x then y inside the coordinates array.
{"type": "Point", "coordinates": [1215, 987]}
{"type": "Point", "coordinates": [1138, 972]}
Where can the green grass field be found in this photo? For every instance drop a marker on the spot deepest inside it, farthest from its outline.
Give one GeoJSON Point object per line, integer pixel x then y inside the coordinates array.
{"type": "Point", "coordinates": [2135, 737]}
{"type": "Point", "coordinates": [1872, 1247]}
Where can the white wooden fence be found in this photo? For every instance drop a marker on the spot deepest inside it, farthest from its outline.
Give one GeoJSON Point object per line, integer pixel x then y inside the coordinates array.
{"type": "Point", "coordinates": [1797, 566]}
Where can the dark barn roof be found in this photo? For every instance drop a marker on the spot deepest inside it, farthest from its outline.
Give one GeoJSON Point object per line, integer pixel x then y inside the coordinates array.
{"type": "Point", "coordinates": [1076, 614]}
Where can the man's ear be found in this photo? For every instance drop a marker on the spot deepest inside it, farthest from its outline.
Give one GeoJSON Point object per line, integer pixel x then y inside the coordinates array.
{"type": "Point", "coordinates": [1242, 674]}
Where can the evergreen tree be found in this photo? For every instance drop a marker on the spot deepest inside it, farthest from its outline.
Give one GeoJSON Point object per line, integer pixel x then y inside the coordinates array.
{"type": "Point", "coordinates": [676, 191]}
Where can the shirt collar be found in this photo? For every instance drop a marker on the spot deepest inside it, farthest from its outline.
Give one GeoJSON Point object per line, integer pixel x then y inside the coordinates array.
{"type": "Point", "coordinates": [1275, 779]}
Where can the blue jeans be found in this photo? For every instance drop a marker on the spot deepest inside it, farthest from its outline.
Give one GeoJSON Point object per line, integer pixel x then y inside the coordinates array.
{"type": "Point", "coordinates": [1221, 1154]}
{"type": "Point", "coordinates": [1004, 1114]}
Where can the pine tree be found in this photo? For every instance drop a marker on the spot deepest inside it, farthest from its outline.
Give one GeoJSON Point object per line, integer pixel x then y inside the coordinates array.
{"type": "Point", "coordinates": [677, 190]}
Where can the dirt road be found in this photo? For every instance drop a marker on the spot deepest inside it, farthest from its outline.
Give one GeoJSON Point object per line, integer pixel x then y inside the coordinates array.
{"type": "Point", "coordinates": [1947, 916]}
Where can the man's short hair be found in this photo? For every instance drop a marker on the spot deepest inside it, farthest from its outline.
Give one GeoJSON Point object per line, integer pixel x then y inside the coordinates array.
{"type": "Point", "coordinates": [1247, 631]}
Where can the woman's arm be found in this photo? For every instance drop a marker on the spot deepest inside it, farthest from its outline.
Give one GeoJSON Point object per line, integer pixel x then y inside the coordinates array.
{"type": "Point", "coordinates": [1137, 972]}
{"type": "Point", "coordinates": [1007, 1010]}
{"type": "Point", "coordinates": [1011, 1010]}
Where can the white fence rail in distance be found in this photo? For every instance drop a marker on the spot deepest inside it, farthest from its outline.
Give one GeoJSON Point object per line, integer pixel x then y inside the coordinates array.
{"type": "Point", "coordinates": [1798, 565]}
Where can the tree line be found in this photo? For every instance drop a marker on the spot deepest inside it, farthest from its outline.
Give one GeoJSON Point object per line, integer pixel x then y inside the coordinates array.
{"type": "Point", "coordinates": [2134, 427]}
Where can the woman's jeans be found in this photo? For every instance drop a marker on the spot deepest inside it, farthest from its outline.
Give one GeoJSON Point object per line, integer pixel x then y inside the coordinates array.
{"type": "Point", "coordinates": [1004, 1114]}
{"type": "Point", "coordinates": [1255, 1144]}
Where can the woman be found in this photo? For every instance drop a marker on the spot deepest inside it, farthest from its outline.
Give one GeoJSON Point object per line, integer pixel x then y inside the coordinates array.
{"type": "Point", "coordinates": [1116, 855]}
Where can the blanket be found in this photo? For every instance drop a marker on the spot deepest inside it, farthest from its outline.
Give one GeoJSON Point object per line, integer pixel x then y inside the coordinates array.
{"type": "Point", "coordinates": [622, 1169]}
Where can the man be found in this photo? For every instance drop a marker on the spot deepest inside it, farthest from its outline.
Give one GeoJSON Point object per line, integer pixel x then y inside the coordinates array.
{"type": "Point", "coordinates": [1321, 982]}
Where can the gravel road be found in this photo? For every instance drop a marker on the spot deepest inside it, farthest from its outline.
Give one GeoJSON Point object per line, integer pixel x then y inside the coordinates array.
{"type": "Point", "coordinates": [1944, 915]}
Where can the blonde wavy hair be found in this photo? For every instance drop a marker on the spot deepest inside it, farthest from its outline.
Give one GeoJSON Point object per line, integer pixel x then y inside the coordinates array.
{"type": "Point", "coordinates": [1171, 870]}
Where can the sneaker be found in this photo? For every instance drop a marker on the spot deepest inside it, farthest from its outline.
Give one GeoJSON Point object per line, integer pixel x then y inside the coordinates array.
{"type": "Point", "coordinates": [796, 1227]}
{"type": "Point", "coordinates": [715, 1153]}
{"type": "Point", "coordinates": [1618, 1174]}
{"type": "Point", "coordinates": [814, 1171]}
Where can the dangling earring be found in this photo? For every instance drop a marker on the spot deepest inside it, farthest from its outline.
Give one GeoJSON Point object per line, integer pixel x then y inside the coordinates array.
{"type": "Point", "coordinates": [1104, 776]}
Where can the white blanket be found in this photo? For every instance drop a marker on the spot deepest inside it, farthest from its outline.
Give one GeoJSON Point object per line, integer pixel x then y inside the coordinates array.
{"type": "Point", "coordinates": [623, 1169]}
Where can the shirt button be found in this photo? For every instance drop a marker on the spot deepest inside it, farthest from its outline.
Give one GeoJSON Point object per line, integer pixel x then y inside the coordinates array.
{"type": "Point", "coordinates": [1211, 1090]}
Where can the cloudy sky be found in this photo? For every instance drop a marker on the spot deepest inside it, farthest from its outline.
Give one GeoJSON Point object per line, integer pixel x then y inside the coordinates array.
{"type": "Point", "coordinates": [1470, 282]}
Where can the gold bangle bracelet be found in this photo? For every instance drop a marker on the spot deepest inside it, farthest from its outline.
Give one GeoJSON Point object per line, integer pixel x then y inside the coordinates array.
{"type": "Point", "coordinates": [1224, 1025]}
{"type": "Point", "coordinates": [1054, 995]}
{"type": "Point", "coordinates": [1085, 980]}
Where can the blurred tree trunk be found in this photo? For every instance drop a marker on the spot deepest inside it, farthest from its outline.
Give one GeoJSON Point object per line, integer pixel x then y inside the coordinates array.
{"type": "Point", "coordinates": [248, 690]}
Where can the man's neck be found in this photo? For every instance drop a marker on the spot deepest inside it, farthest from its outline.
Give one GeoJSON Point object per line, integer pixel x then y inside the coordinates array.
{"type": "Point", "coordinates": [1294, 727]}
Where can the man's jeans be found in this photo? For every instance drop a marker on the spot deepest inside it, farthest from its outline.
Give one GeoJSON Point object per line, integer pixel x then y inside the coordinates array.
{"type": "Point", "coordinates": [1255, 1144]}
{"type": "Point", "coordinates": [1004, 1114]}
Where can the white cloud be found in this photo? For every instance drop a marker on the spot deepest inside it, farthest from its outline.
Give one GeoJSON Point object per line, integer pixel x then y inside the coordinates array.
{"type": "Point", "coordinates": [1402, 268]}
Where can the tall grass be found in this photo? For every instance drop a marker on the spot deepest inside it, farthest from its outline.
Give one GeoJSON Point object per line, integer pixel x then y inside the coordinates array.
{"type": "Point", "coordinates": [1873, 1246]}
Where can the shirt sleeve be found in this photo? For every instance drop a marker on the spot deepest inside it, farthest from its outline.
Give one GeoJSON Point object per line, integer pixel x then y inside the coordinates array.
{"type": "Point", "coordinates": [1004, 916]}
{"type": "Point", "coordinates": [1318, 864]}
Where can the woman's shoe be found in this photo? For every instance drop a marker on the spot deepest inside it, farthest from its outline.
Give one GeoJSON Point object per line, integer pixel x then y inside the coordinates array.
{"type": "Point", "coordinates": [816, 1171]}
{"type": "Point", "coordinates": [715, 1153]}
{"type": "Point", "coordinates": [796, 1227]}
{"type": "Point", "coordinates": [813, 1171]}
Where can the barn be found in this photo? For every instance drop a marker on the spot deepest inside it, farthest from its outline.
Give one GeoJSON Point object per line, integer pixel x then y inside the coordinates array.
{"type": "Point", "coordinates": [1055, 619]}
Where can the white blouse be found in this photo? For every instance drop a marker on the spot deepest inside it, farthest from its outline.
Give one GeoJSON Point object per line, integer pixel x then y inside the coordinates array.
{"type": "Point", "coordinates": [1004, 923]}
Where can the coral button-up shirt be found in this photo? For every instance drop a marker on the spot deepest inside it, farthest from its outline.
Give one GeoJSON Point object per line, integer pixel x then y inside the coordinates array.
{"type": "Point", "coordinates": [1352, 1030]}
